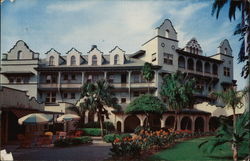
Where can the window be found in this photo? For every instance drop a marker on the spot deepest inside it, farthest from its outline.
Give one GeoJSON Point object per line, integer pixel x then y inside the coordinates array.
{"type": "Point", "coordinates": [19, 54]}
{"type": "Point", "coordinates": [225, 51]}
{"type": "Point", "coordinates": [116, 59]}
{"type": "Point", "coordinates": [73, 77]}
{"type": "Point", "coordinates": [73, 96]}
{"type": "Point", "coordinates": [51, 60]}
{"type": "Point", "coordinates": [215, 69]}
{"type": "Point", "coordinates": [51, 79]}
{"type": "Point", "coordinates": [73, 60]}
{"type": "Point", "coordinates": [94, 60]}
{"type": "Point", "coordinates": [66, 77]}
{"type": "Point", "coordinates": [226, 71]}
{"type": "Point", "coordinates": [50, 97]}
{"type": "Point", "coordinates": [207, 67]}
{"type": "Point", "coordinates": [136, 78]}
{"type": "Point", "coordinates": [167, 34]}
{"type": "Point", "coordinates": [199, 66]}
{"type": "Point", "coordinates": [65, 95]}
{"type": "Point", "coordinates": [181, 62]}
{"type": "Point", "coordinates": [190, 64]}
{"type": "Point", "coordinates": [168, 59]}
{"type": "Point", "coordinates": [89, 78]}
{"type": "Point", "coordinates": [18, 80]}
{"type": "Point", "coordinates": [123, 100]}
{"type": "Point", "coordinates": [136, 94]}
{"type": "Point", "coordinates": [11, 80]}
{"type": "Point", "coordinates": [153, 57]}
{"type": "Point", "coordinates": [111, 78]}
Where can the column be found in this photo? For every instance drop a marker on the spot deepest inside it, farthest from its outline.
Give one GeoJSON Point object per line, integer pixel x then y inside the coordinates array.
{"type": "Point", "coordinates": [83, 74]}
{"type": "Point", "coordinates": [178, 122]}
{"type": "Point", "coordinates": [95, 117]}
{"type": "Point", "coordinates": [193, 124]}
{"type": "Point", "coordinates": [105, 75]}
{"type": "Point", "coordinates": [86, 117]}
{"type": "Point", "coordinates": [157, 82]}
{"type": "Point", "coordinates": [59, 80]}
{"type": "Point", "coordinates": [129, 85]}
{"type": "Point", "coordinates": [206, 126]}
{"type": "Point", "coordinates": [162, 123]}
{"type": "Point", "coordinates": [122, 126]}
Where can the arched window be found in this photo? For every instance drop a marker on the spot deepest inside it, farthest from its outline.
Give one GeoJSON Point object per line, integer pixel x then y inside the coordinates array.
{"type": "Point", "coordinates": [215, 69]}
{"type": "Point", "coordinates": [181, 62]}
{"type": "Point", "coordinates": [116, 59]}
{"type": "Point", "coordinates": [51, 60]}
{"type": "Point", "coordinates": [190, 64]}
{"type": "Point", "coordinates": [73, 60]}
{"type": "Point", "coordinates": [199, 66]}
{"type": "Point", "coordinates": [167, 34]}
{"type": "Point", "coordinates": [19, 54]}
{"type": "Point", "coordinates": [207, 67]}
{"type": "Point", "coordinates": [225, 51]}
{"type": "Point", "coordinates": [94, 60]}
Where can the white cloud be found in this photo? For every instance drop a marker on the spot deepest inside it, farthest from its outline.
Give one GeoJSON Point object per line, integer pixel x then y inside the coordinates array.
{"type": "Point", "coordinates": [71, 6]}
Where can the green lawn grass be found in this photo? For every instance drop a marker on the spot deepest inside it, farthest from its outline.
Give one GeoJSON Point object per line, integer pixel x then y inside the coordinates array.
{"type": "Point", "coordinates": [188, 150]}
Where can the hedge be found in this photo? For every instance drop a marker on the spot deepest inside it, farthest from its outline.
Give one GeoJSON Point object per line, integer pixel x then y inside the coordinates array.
{"type": "Point", "coordinates": [92, 131]}
{"type": "Point", "coordinates": [106, 125]}
{"type": "Point", "coordinates": [72, 141]}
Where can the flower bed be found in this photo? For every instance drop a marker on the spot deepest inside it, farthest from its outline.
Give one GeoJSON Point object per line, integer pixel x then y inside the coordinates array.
{"type": "Point", "coordinates": [146, 141]}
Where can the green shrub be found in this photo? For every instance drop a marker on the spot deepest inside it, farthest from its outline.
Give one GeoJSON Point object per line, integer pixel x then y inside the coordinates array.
{"type": "Point", "coordinates": [72, 141]}
{"type": "Point", "coordinates": [92, 131]}
{"type": "Point", "coordinates": [126, 149]}
{"type": "Point", "coordinates": [139, 128]}
{"type": "Point", "coordinates": [109, 126]}
{"type": "Point", "coordinates": [109, 138]}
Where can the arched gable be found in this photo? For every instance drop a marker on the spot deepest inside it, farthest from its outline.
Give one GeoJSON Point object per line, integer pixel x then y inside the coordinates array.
{"type": "Point", "coordinates": [57, 58]}
{"type": "Point", "coordinates": [95, 52]}
{"type": "Point", "coordinates": [193, 47]}
{"type": "Point", "coordinates": [225, 48]}
{"type": "Point", "coordinates": [73, 52]}
{"type": "Point", "coordinates": [166, 29]}
{"type": "Point", "coordinates": [21, 51]}
{"type": "Point", "coordinates": [117, 53]}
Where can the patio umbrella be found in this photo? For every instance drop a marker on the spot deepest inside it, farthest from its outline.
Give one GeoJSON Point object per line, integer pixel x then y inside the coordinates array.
{"type": "Point", "coordinates": [68, 117]}
{"type": "Point", "coordinates": [35, 118]}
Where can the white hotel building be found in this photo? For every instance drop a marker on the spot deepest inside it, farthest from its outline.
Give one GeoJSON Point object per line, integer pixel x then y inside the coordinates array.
{"type": "Point", "coordinates": [57, 79]}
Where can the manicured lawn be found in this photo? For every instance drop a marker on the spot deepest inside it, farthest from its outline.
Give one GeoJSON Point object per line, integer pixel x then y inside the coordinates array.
{"type": "Point", "coordinates": [189, 150]}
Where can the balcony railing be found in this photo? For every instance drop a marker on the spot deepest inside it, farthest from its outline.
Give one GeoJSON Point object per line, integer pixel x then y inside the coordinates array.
{"type": "Point", "coordinates": [198, 73]}
{"type": "Point", "coordinates": [48, 85]}
{"type": "Point", "coordinates": [71, 85]}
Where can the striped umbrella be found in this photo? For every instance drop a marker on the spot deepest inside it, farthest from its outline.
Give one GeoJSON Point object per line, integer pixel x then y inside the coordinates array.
{"type": "Point", "coordinates": [68, 117]}
{"type": "Point", "coordinates": [35, 118]}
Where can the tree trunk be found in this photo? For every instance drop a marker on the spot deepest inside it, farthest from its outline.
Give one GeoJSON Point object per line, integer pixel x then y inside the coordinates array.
{"type": "Point", "coordinates": [234, 145]}
{"type": "Point", "coordinates": [101, 121]}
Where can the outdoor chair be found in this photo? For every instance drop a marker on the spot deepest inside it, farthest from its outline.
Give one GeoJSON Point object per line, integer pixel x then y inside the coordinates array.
{"type": "Point", "coordinates": [25, 142]}
{"type": "Point", "coordinates": [6, 156]}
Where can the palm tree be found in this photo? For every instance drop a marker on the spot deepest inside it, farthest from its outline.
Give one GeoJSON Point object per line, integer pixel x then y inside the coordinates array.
{"type": "Point", "coordinates": [224, 134]}
{"type": "Point", "coordinates": [179, 92]}
{"type": "Point", "coordinates": [96, 96]}
{"type": "Point", "coordinates": [232, 99]}
{"type": "Point", "coordinates": [148, 73]}
{"type": "Point", "coordinates": [242, 28]}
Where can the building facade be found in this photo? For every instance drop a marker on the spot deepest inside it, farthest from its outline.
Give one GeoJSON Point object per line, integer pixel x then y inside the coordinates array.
{"type": "Point", "coordinates": [57, 79]}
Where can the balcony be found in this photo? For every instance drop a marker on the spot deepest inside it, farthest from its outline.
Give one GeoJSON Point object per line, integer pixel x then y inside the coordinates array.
{"type": "Point", "coordinates": [120, 85]}
{"type": "Point", "coordinates": [142, 85]}
{"type": "Point", "coordinates": [71, 85]}
{"type": "Point", "coordinates": [48, 85]}
{"type": "Point", "coordinates": [198, 73]}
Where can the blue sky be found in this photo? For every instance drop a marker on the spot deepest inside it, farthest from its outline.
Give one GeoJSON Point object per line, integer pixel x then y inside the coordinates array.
{"type": "Point", "coordinates": [63, 24]}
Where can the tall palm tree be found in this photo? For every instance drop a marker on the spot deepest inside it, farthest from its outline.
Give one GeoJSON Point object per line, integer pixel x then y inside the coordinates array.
{"type": "Point", "coordinates": [243, 28]}
{"type": "Point", "coordinates": [179, 93]}
{"type": "Point", "coordinates": [224, 134]}
{"type": "Point", "coordinates": [233, 100]}
{"type": "Point", "coordinates": [148, 73]}
{"type": "Point", "coordinates": [98, 95]}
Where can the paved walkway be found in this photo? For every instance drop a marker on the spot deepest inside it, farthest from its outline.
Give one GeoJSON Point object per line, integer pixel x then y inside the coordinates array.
{"type": "Point", "coordinates": [94, 152]}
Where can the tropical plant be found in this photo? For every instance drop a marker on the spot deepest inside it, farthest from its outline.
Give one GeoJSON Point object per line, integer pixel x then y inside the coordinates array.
{"type": "Point", "coordinates": [148, 73]}
{"type": "Point", "coordinates": [146, 104]}
{"type": "Point", "coordinates": [240, 138]}
{"type": "Point", "coordinates": [80, 111]}
{"type": "Point", "coordinates": [98, 95]}
{"type": "Point", "coordinates": [179, 93]}
{"type": "Point", "coordinates": [233, 100]}
{"type": "Point", "coordinates": [242, 28]}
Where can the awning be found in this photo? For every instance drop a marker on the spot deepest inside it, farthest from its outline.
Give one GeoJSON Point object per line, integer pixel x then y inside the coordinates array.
{"type": "Point", "coordinates": [8, 73]}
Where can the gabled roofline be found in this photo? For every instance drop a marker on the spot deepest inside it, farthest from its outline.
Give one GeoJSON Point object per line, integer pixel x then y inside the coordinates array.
{"type": "Point", "coordinates": [75, 50]}
{"type": "Point", "coordinates": [53, 50]}
{"type": "Point", "coordinates": [164, 22]}
{"type": "Point", "coordinates": [222, 42]}
{"type": "Point", "coordinates": [96, 49]}
{"type": "Point", "coordinates": [115, 48]}
{"type": "Point", "coordinates": [24, 45]}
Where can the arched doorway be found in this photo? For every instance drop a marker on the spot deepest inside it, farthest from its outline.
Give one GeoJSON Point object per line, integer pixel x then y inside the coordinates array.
{"type": "Point", "coordinates": [119, 126]}
{"type": "Point", "coordinates": [154, 122]}
{"type": "Point", "coordinates": [186, 123]}
{"type": "Point", "coordinates": [214, 123]}
{"type": "Point", "coordinates": [199, 124]}
{"type": "Point", "coordinates": [130, 123]}
{"type": "Point", "coordinates": [169, 123]}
